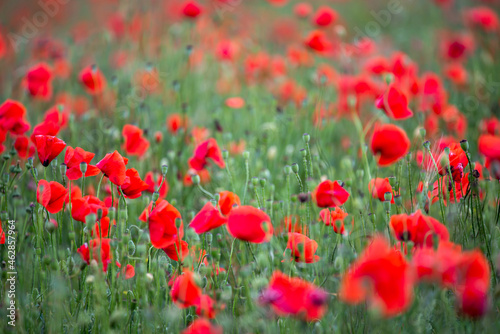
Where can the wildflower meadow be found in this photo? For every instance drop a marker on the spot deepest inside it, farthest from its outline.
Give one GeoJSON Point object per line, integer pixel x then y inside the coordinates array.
{"type": "Point", "coordinates": [250, 166]}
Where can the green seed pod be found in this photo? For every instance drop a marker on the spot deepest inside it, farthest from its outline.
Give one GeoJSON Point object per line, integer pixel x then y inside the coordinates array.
{"type": "Point", "coordinates": [426, 145]}
{"type": "Point", "coordinates": [131, 248]}
{"type": "Point", "coordinates": [306, 138]}
{"type": "Point", "coordinates": [246, 155]}
{"type": "Point", "coordinates": [164, 170]}
{"type": "Point", "coordinates": [295, 167]}
{"type": "Point", "coordinates": [209, 238]}
{"type": "Point", "coordinates": [225, 155]}
{"type": "Point", "coordinates": [464, 144]}
{"type": "Point", "coordinates": [287, 170]}
{"type": "Point", "coordinates": [155, 196]}
{"type": "Point", "coordinates": [388, 196]}
{"type": "Point", "coordinates": [196, 179]}
{"type": "Point", "coordinates": [63, 169]}
{"type": "Point", "coordinates": [83, 168]}
{"type": "Point", "coordinates": [255, 181]}
{"type": "Point", "coordinates": [262, 182]}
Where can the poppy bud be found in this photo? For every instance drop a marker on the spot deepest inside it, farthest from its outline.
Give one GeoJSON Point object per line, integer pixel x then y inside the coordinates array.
{"type": "Point", "coordinates": [155, 196]}
{"type": "Point", "coordinates": [306, 137]}
{"type": "Point", "coordinates": [255, 181]}
{"type": "Point", "coordinates": [295, 167]}
{"type": "Point", "coordinates": [99, 213]}
{"type": "Point", "coordinates": [50, 226]}
{"type": "Point", "coordinates": [287, 169]}
{"type": "Point", "coordinates": [29, 163]}
{"type": "Point", "coordinates": [227, 293]}
{"type": "Point", "coordinates": [123, 215]}
{"type": "Point", "coordinates": [398, 200]}
{"type": "Point", "coordinates": [225, 154]}
{"type": "Point", "coordinates": [71, 236]}
{"type": "Point", "coordinates": [195, 178]}
{"type": "Point", "coordinates": [141, 250]}
{"type": "Point", "coordinates": [303, 152]}
{"type": "Point", "coordinates": [423, 132]}
{"type": "Point", "coordinates": [464, 144]}
{"type": "Point", "coordinates": [447, 151]}
{"type": "Point", "coordinates": [209, 238]}
{"type": "Point", "coordinates": [63, 168]}
{"type": "Point", "coordinates": [426, 145]}
{"type": "Point", "coordinates": [90, 218]}
{"type": "Point", "coordinates": [262, 182]}
{"type": "Point", "coordinates": [164, 170]}
{"type": "Point", "coordinates": [388, 78]}
{"type": "Point", "coordinates": [246, 155]}
{"type": "Point", "coordinates": [6, 156]}
{"type": "Point", "coordinates": [83, 168]}
{"type": "Point", "coordinates": [178, 222]}
{"type": "Point", "coordinates": [131, 248]}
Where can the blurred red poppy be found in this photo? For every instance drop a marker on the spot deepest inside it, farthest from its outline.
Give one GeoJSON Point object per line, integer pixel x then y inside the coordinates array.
{"type": "Point", "coordinates": [302, 247]}
{"type": "Point", "coordinates": [93, 80]}
{"type": "Point", "coordinates": [389, 143]}
{"type": "Point", "coordinates": [13, 117]}
{"type": "Point", "coordinates": [418, 228]}
{"type": "Point", "coordinates": [207, 219]}
{"type": "Point", "coordinates": [185, 291]}
{"type": "Point", "coordinates": [99, 246]}
{"type": "Point", "coordinates": [329, 194]}
{"type": "Point", "coordinates": [38, 80]}
{"type": "Point", "coordinates": [135, 143]}
{"type": "Point", "coordinates": [73, 158]}
{"type": "Point", "coordinates": [394, 103]}
{"type": "Point", "coordinates": [206, 150]}
{"type": "Point", "coordinates": [227, 200]}
{"type": "Point", "coordinates": [250, 224]}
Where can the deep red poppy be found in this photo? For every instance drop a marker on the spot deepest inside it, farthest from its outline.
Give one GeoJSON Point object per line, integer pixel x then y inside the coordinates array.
{"type": "Point", "coordinates": [93, 80]}
{"type": "Point", "coordinates": [51, 195]}
{"type": "Point", "coordinates": [202, 326]}
{"type": "Point", "coordinates": [378, 187]}
{"type": "Point", "coordinates": [294, 296]}
{"type": "Point", "coordinates": [206, 150]}
{"type": "Point", "coordinates": [83, 206]}
{"type": "Point", "coordinates": [191, 9]}
{"type": "Point", "coordinates": [207, 219]}
{"type": "Point", "coordinates": [325, 16]}
{"type": "Point", "coordinates": [227, 200]}
{"type": "Point", "coordinates": [13, 117]}
{"type": "Point", "coordinates": [303, 248]}
{"type": "Point", "coordinates": [73, 158]}
{"type": "Point", "coordinates": [205, 307]}
{"type": "Point", "coordinates": [174, 250]}
{"type": "Point", "coordinates": [334, 218]}
{"type": "Point", "coordinates": [23, 147]}
{"type": "Point", "coordinates": [48, 148]}
{"type": "Point", "coordinates": [382, 277]}
{"type": "Point", "coordinates": [394, 103]}
{"type": "Point", "coordinates": [101, 246]}
{"type": "Point", "coordinates": [176, 122]}
{"type": "Point", "coordinates": [162, 228]}
{"type": "Point", "coordinates": [329, 194]}
{"type": "Point", "coordinates": [418, 228]}
{"type": "Point", "coordinates": [153, 186]}
{"type": "Point", "coordinates": [38, 80]}
{"type": "Point", "coordinates": [128, 271]}
{"type": "Point", "coordinates": [113, 165]}
{"type": "Point", "coordinates": [135, 143]}
{"type": "Point", "coordinates": [317, 41]}
{"type": "Point", "coordinates": [482, 17]}
{"type": "Point", "coordinates": [250, 224]}
{"type": "Point", "coordinates": [133, 186]}
{"type": "Point", "coordinates": [389, 143]}
{"type": "Point", "coordinates": [185, 291]}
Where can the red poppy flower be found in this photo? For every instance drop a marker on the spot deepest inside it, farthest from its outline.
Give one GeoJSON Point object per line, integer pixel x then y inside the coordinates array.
{"type": "Point", "coordinates": [176, 122]}
{"type": "Point", "coordinates": [438, 265]}
{"type": "Point", "coordinates": [394, 103]}
{"type": "Point", "coordinates": [382, 277]}
{"type": "Point", "coordinates": [162, 229]}
{"type": "Point", "coordinates": [325, 16]}
{"type": "Point", "coordinates": [93, 80]}
{"type": "Point", "coordinates": [102, 227]}
{"type": "Point", "coordinates": [101, 246]}
{"type": "Point", "coordinates": [113, 166]}
{"type": "Point", "coordinates": [205, 150]}
{"type": "Point", "coordinates": [51, 195]}
{"type": "Point", "coordinates": [489, 146]}
{"type": "Point", "coordinates": [303, 9]}
{"type": "Point", "coordinates": [153, 186]}
{"type": "Point", "coordinates": [73, 158]}
{"type": "Point", "coordinates": [390, 143]}
{"type": "Point", "coordinates": [378, 187]}
{"type": "Point", "coordinates": [250, 224]}
{"type": "Point", "coordinates": [473, 284]}
{"type": "Point", "coordinates": [202, 326]}
{"type": "Point", "coordinates": [205, 307]}
{"type": "Point", "coordinates": [83, 206]}
{"type": "Point", "coordinates": [133, 186]}
{"type": "Point", "coordinates": [13, 117]}
{"type": "Point", "coordinates": [329, 194]}
{"type": "Point", "coordinates": [482, 17]}
{"type": "Point", "coordinates": [45, 129]}
{"type": "Point", "coordinates": [294, 296]}
{"type": "Point", "coordinates": [2, 235]}
{"type": "Point", "coordinates": [235, 102]}
{"type": "Point", "coordinates": [191, 9]}
{"type": "Point", "coordinates": [458, 161]}
{"type": "Point", "coordinates": [302, 248]}
{"type": "Point", "coordinates": [418, 228]}
{"type": "Point", "coordinates": [48, 148]}
{"type": "Point", "coordinates": [227, 200]}
{"type": "Point", "coordinates": [135, 143]}
{"type": "Point", "coordinates": [456, 73]}
{"type": "Point", "coordinates": [173, 250]}
{"type": "Point", "coordinates": [207, 219]}
{"type": "Point", "coordinates": [185, 291]}
{"type": "Point", "coordinates": [128, 271]}
{"type": "Point", "coordinates": [291, 224]}
{"type": "Point", "coordinates": [317, 41]}
{"type": "Point", "coordinates": [334, 218]}
{"type": "Point", "coordinates": [23, 147]}
{"type": "Point", "coordinates": [38, 81]}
